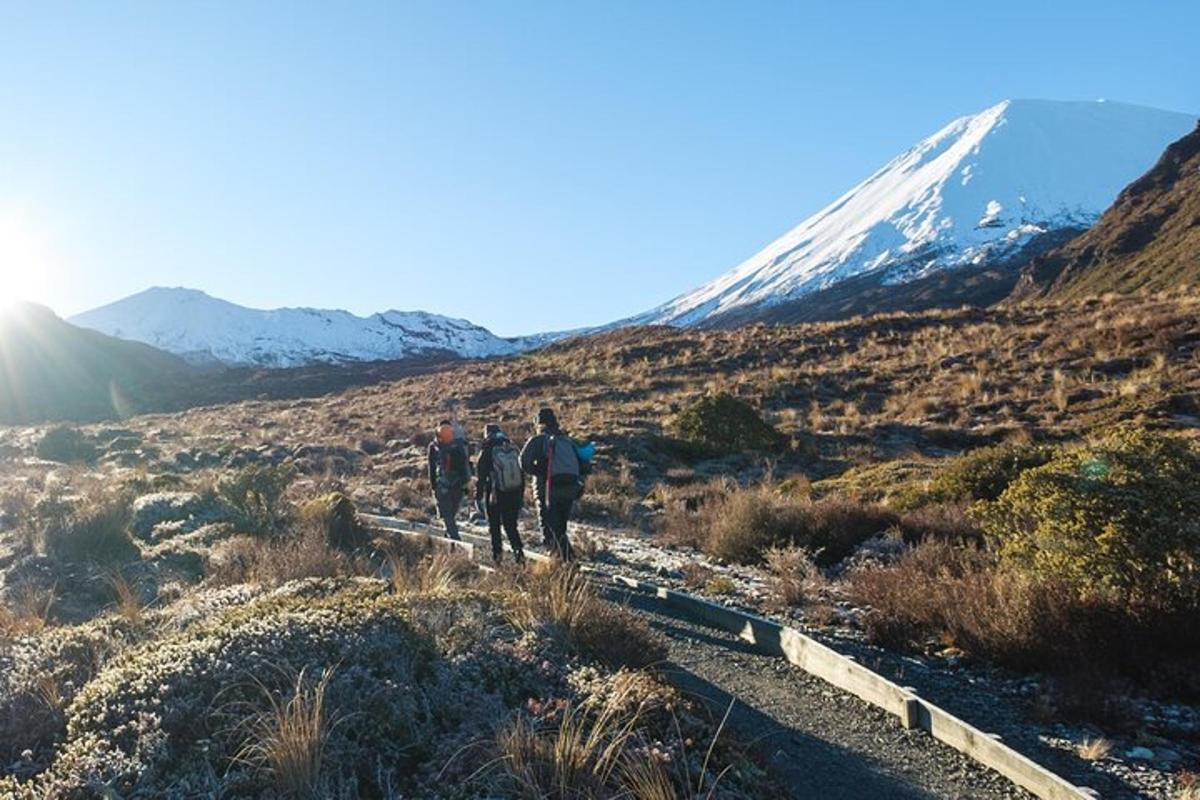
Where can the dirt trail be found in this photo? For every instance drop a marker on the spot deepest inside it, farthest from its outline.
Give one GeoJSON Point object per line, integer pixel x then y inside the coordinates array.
{"type": "Point", "coordinates": [820, 742]}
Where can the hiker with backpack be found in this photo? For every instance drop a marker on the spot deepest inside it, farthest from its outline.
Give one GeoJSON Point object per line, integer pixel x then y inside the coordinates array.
{"type": "Point", "coordinates": [552, 459]}
{"type": "Point", "coordinates": [500, 489]}
{"type": "Point", "coordinates": [449, 473]}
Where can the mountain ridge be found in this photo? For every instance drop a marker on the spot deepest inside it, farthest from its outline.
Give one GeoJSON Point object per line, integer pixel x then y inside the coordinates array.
{"type": "Point", "coordinates": [978, 190]}
{"type": "Point", "coordinates": [206, 330]}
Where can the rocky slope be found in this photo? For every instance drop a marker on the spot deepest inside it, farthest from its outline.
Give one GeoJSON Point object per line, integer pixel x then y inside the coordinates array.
{"type": "Point", "coordinates": [1149, 239]}
{"type": "Point", "coordinates": [978, 192]}
{"type": "Point", "coordinates": [204, 329]}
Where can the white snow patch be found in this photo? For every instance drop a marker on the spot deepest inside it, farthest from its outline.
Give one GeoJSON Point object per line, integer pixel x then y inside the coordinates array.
{"type": "Point", "coordinates": [1060, 163]}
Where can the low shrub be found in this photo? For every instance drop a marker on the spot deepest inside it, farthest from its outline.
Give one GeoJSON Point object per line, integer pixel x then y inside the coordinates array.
{"type": "Point", "coordinates": [724, 425]}
{"type": "Point", "coordinates": [795, 577]}
{"type": "Point", "coordinates": [835, 528]}
{"type": "Point", "coordinates": [1120, 515]}
{"type": "Point", "coordinates": [151, 510]}
{"type": "Point", "coordinates": [945, 594]}
{"type": "Point", "coordinates": [67, 445]}
{"type": "Point", "coordinates": [611, 493]}
{"type": "Point", "coordinates": [255, 493]}
{"type": "Point", "coordinates": [984, 473]}
{"type": "Point", "coordinates": [749, 521]}
{"type": "Point", "coordinates": [945, 522]}
{"type": "Point", "coordinates": [741, 524]}
{"type": "Point", "coordinates": [335, 518]}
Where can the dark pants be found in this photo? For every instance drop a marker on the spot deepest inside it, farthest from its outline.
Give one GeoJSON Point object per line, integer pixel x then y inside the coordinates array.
{"type": "Point", "coordinates": [447, 504]}
{"type": "Point", "coordinates": [556, 514]}
{"type": "Point", "coordinates": [539, 493]}
{"type": "Point", "coordinates": [504, 512]}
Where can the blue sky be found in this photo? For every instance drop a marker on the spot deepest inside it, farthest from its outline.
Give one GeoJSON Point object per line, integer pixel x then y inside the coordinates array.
{"type": "Point", "coordinates": [526, 165]}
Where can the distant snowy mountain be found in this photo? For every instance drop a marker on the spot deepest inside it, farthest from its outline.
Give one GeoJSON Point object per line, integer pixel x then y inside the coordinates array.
{"type": "Point", "coordinates": [976, 192]}
{"type": "Point", "coordinates": [203, 329]}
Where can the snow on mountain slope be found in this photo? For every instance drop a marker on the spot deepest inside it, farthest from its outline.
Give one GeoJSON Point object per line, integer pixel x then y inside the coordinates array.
{"type": "Point", "coordinates": [977, 190]}
{"type": "Point", "coordinates": [203, 329]}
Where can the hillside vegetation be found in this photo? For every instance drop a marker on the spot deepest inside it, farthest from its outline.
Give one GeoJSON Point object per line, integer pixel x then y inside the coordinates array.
{"type": "Point", "coordinates": [1013, 486]}
{"type": "Point", "coordinates": [1148, 240]}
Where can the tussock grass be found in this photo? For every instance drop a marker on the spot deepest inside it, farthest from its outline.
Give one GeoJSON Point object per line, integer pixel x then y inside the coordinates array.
{"type": "Point", "coordinates": [602, 754]}
{"type": "Point", "coordinates": [288, 739]}
{"type": "Point", "coordinates": [560, 597]}
{"type": "Point", "coordinates": [127, 599]}
{"type": "Point", "coordinates": [28, 611]}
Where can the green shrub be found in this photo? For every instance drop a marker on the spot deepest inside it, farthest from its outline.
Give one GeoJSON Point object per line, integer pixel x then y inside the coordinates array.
{"type": "Point", "coordinates": [334, 516]}
{"type": "Point", "coordinates": [900, 484]}
{"type": "Point", "coordinates": [67, 445]}
{"type": "Point", "coordinates": [255, 493]}
{"type": "Point", "coordinates": [724, 425]}
{"type": "Point", "coordinates": [984, 473]}
{"type": "Point", "coordinates": [94, 530]}
{"type": "Point", "coordinates": [1120, 515]}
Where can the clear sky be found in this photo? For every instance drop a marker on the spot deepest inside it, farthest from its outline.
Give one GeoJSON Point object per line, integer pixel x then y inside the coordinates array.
{"type": "Point", "coordinates": [527, 165]}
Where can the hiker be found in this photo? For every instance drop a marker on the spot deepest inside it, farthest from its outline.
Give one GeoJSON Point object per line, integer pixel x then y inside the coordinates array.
{"type": "Point", "coordinates": [449, 473]}
{"type": "Point", "coordinates": [550, 457]}
{"type": "Point", "coordinates": [500, 489]}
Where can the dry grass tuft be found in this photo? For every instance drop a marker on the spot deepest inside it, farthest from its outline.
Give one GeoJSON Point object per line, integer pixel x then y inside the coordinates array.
{"type": "Point", "coordinates": [27, 612]}
{"type": "Point", "coordinates": [576, 759]}
{"type": "Point", "coordinates": [126, 596]}
{"type": "Point", "coordinates": [440, 572]}
{"type": "Point", "coordinates": [559, 596]}
{"type": "Point", "coordinates": [287, 741]}
{"type": "Point", "coordinates": [1094, 749]}
{"type": "Point", "coordinates": [795, 577]}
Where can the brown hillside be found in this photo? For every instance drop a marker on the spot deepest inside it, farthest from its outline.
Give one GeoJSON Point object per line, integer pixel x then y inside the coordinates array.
{"type": "Point", "coordinates": [863, 390]}
{"type": "Point", "coordinates": [1148, 240]}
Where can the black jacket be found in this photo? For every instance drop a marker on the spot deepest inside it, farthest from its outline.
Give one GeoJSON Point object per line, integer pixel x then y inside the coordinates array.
{"type": "Point", "coordinates": [534, 459]}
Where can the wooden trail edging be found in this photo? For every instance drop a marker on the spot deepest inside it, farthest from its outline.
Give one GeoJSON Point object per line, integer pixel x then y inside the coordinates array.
{"type": "Point", "coordinates": [825, 663]}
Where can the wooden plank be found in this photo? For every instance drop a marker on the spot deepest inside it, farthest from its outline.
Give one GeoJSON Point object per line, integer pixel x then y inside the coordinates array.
{"type": "Point", "coordinates": [993, 753]}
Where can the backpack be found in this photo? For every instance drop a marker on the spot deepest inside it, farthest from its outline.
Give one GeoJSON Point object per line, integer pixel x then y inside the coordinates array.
{"type": "Point", "coordinates": [451, 473]}
{"type": "Point", "coordinates": [506, 468]}
{"type": "Point", "coordinates": [561, 456]}
{"type": "Point", "coordinates": [562, 469]}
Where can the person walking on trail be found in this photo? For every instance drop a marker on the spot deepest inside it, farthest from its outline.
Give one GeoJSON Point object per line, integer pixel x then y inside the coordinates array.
{"type": "Point", "coordinates": [500, 488]}
{"type": "Point", "coordinates": [449, 473]}
{"type": "Point", "coordinates": [551, 458]}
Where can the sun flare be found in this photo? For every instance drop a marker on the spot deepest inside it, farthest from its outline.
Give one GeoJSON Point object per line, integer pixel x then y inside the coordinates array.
{"type": "Point", "coordinates": [23, 262]}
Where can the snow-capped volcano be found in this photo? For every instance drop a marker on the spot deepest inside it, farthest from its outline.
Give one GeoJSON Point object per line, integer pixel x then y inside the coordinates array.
{"type": "Point", "coordinates": [204, 329]}
{"type": "Point", "coordinates": [977, 191]}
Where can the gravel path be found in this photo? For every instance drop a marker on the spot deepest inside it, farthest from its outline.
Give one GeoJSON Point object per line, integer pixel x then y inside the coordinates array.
{"type": "Point", "coordinates": [820, 742]}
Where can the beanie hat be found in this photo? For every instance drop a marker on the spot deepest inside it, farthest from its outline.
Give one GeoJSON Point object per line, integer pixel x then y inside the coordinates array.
{"type": "Point", "coordinates": [546, 417]}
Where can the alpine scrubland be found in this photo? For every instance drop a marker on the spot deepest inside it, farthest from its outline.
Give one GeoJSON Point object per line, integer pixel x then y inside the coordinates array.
{"type": "Point", "coordinates": [190, 604]}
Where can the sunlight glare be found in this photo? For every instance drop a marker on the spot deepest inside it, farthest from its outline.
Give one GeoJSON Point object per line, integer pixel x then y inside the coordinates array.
{"type": "Point", "coordinates": [23, 263]}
